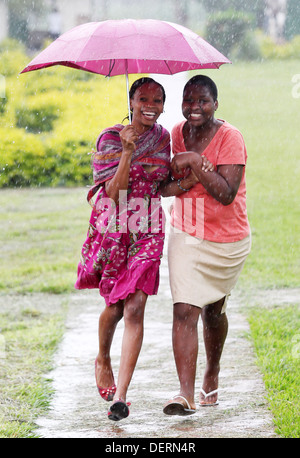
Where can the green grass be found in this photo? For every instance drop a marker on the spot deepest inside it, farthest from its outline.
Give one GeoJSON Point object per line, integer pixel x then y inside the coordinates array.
{"type": "Point", "coordinates": [276, 338]}
{"type": "Point", "coordinates": [42, 231]}
{"type": "Point", "coordinates": [29, 338]}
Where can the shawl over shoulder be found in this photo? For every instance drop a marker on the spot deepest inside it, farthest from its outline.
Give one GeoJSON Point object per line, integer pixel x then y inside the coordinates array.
{"type": "Point", "coordinates": [152, 148]}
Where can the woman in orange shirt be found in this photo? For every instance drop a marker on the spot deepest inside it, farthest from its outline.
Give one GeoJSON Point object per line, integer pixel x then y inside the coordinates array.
{"type": "Point", "coordinates": [209, 239]}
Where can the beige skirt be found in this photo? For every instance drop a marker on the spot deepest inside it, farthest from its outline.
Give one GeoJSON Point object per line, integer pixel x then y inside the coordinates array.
{"type": "Point", "coordinates": [203, 272]}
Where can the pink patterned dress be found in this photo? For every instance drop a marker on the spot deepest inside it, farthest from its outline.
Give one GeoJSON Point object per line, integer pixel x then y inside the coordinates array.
{"type": "Point", "coordinates": [124, 244]}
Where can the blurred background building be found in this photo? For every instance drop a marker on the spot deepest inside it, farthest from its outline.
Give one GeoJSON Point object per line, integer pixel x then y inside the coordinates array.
{"type": "Point", "coordinates": [34, 21]}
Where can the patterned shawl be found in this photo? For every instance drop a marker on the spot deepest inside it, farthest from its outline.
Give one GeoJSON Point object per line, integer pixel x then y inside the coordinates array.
{"type": "Point", "coordinates": [152, 148]}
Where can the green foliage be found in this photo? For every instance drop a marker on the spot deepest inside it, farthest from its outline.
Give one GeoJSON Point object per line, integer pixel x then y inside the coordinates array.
{"type": "Point", "coordinates": [277, 342]}
{"type": "Point", "coordinates": [66, 109]}
{"type": "Point", "coordinates": [224, 30]}
{"type": "Point", "coordinates": [3, 102]}
{"type": "Point", "coordinates": [271, 50]}
{"type": "Point", "coordinates": [38, 119]}
{"type": "Point", "coordinates": [22, 159]}
{"type": "Point", "coordinates": [11, 62]}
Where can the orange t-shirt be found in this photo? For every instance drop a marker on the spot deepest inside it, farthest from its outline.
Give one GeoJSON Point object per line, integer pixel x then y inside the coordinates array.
{"type": "Point", "coordinates": [196, 211]}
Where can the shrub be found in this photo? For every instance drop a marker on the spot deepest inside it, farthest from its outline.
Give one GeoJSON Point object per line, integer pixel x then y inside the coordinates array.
{"type": "Point", "coordinates": [72, 159]}
{"type": "Point", "coordinates": [50, 123]}
{"type": "Point", "coordinates": [3, 103]}
{"type": "Point", "coordinates": [27, 161]}
{"type": "Point", "coordinates": [37, 120]}
{"type": "Point", "coordinates": [271, 50]}
{"type": "Point", "coordinates": [13, 57]}
{"type": "Point", "coordinates": [247, 49]}
{"type": "Point", "coordinates": [22, 159]}
{"type": "Point", "coordinates": [224, 30]}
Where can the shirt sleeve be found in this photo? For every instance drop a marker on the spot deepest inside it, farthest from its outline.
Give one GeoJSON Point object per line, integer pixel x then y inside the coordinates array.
{"type": "Point", "coordinates": [232, 149]}
{"type": "Point", "coordinates": [177, 139]}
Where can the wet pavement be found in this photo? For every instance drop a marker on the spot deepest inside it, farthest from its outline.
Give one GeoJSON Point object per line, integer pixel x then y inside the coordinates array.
{"type": "Point", "coordinates": [77, 411]}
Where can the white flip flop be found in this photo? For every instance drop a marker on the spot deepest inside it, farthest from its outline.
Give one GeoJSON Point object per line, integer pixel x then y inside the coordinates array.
{"type": "Point", "coordinates": [206, 395]}
{"type": "Point", "coordinates": [177, 408]}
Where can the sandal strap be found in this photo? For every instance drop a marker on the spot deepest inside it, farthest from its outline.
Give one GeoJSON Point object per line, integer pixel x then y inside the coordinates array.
{"type": "Point", "coordinates": [182, 397]}
{"type": "Point", "coordinates": [206, 395]}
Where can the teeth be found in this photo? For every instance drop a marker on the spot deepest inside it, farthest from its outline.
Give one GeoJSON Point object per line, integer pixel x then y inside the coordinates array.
{"type": "Point", "coordinates": [148, 113]}
{"type": "Point", "coordinates": [195, 115]}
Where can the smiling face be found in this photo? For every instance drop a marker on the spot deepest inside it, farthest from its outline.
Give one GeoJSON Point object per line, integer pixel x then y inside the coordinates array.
{"type": "Point", "coordinates": [147, 105]}
{"type": "Point", "coordinates": [198, 105]}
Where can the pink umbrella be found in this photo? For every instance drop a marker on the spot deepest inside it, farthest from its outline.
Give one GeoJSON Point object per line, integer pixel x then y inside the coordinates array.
{"type": "Point", "coordinates": [117, 47]}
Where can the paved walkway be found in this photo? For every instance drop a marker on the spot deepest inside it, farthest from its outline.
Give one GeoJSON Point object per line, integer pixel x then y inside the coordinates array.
{"type": "Point", "coordinates": [77, 411]}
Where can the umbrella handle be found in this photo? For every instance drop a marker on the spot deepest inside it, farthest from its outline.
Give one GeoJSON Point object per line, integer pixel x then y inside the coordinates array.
{"type": "Point", "coordinates": [127, 90]}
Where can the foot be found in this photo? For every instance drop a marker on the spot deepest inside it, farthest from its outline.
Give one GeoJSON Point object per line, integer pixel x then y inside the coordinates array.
{"type": "Point", "coordinates": [208, 399]}
{"type": "Point", "coordinates": [179, 405]}
{"type": "Point", "coordinates": [105, 381]}
{"type": "Point", "coordinates": [209, 390]}
{"type": "Point", "coordinates": [118, 410]}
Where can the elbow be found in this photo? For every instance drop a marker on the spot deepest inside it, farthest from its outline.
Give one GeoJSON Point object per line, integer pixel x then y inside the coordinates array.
{"type": "Point", "coordinates": [226, 199]}
{"type": "Point", "coordinates": [164, 193]}
{"type": "Point", "coordinates": [112, 192]}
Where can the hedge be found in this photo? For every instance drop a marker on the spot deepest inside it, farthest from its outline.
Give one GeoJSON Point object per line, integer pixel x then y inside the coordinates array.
{"type": "Point", "coordinates": [50, 120]}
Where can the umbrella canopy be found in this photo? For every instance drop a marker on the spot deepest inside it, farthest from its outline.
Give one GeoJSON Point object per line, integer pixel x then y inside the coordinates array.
{"type": "Point", "coordinates": [117, 47]}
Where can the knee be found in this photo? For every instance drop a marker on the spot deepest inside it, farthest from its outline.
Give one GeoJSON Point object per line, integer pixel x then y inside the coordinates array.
{"type": "Point", "coordinates": [116, 311]}
{"type": "Point", "coordinates": [134, 310]}
{"type": "Point", "coordinates": [212, 314]}
{"type": "Point", "coordinates": [185, 314]}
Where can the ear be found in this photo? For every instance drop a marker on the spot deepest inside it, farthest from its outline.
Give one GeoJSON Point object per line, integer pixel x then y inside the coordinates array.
{"type": "Point", "coordinates": [216, 105]}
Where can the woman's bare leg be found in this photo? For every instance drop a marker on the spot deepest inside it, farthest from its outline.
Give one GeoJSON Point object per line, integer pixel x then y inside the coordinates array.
{"type": "Point", "coordinates": [134, 309]}
{"type": "Point", "coordinates": [108, 321]}
{"type": "Point", "coordinates": [215, 328]}
{"type": "Point", "coordinates": [185, 347]}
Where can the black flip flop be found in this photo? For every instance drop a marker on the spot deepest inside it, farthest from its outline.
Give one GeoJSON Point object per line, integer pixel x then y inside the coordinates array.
{"type": "Point", "coordinates": [118, 410]}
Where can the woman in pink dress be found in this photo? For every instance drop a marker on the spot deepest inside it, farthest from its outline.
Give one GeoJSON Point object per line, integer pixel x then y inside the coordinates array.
{"type": "Point", "coordinates": [121, 255]}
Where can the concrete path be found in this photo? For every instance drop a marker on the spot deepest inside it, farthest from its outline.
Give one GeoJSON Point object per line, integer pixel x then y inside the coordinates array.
{"type": "Point", "coordinates": [77, 411]}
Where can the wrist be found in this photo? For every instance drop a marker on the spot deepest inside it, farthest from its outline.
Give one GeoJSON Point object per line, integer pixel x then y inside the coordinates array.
{"type": "Point", "coordinates": [180, 186]}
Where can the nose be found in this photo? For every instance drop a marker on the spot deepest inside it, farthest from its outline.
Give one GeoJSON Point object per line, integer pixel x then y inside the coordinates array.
{"type": "Point", "coordinates": [197, 104]}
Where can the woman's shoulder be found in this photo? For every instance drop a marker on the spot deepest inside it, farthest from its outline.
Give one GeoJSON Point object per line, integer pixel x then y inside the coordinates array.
{"type": "Point", "coordinates": [228, 130]}
{"type": "Point", "coordinates": [109, 131]}
{"type": "Point", "coordinates": [163, 131]}
{"type": "Point", "coordinates": [227, 127]}
{"type": "Point", "coordinates": [177, 129]}
{"type": "Point", "coordinates": [178, 126]}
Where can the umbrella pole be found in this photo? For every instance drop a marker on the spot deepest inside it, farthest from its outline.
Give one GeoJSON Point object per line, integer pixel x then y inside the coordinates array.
{"type": "Point", "coordinates": [127, 88]}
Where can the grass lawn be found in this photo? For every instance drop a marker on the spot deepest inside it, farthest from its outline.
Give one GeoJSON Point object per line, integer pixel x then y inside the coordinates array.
{"type": "Point", "coordinates": [42, 231]}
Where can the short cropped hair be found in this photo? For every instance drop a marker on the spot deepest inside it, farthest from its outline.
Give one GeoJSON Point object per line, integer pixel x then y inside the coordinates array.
{"type": "Point", "coordinates": [202, 80]}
